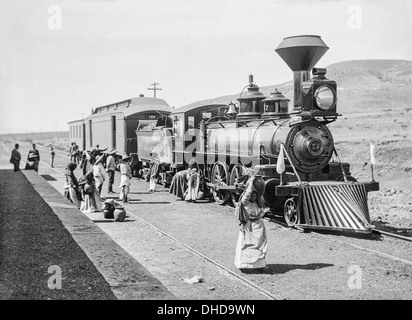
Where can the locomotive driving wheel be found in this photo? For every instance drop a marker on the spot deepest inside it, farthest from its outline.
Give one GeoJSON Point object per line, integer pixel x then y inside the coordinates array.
{"type": "Point", "coordinates": [238, 171]}
{"type": "Point", "coordinates": [291, 213]}
{"type": "Point", "coordinates": [220, 177]}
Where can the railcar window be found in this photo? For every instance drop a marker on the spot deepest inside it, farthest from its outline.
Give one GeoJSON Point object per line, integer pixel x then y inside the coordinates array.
{"type": "Point", "coordinates": [191, 122]}
{"type": "Point", "coordinates": [206, 115]}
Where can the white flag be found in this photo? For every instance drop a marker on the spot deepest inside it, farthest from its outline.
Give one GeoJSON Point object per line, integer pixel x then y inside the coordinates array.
{"type": "Point", "coordinates": [373, 160]}
{"type": "Point", "coordinates": [280, 165]}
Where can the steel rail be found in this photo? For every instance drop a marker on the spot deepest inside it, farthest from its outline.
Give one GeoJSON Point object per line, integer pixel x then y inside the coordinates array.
{"type": "Point", "coordinates": [394, 235]}
{"type": "Point", "coordinates": [260, 289]}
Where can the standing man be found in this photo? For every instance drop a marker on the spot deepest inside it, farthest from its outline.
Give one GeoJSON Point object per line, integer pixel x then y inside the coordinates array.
{"type": "Point", "coordinates": [110, 169]}
{"type": "Point", "coordinates": [16, 157]}
{"type": "Point", "coordinates": [75, 153]}
{"type": "Point", "coordinates": [52, 153]}
{"type": "Point", "coordinates": [71, 151]}
{"type": "Point", "coordinates": [99, 173]}
{"type": "Point", "coordinates": [34, 159]}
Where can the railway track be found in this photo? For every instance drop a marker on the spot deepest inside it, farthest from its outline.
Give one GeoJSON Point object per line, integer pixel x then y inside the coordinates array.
{"type": "Point", "coordinates": [375, 231]}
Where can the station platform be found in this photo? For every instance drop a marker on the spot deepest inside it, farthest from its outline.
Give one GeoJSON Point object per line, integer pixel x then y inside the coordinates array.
{"type": "Point", "coordinates": [49, 250]}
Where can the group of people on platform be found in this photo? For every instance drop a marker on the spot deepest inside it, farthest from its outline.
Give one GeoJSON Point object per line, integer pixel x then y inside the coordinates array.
{"type": "Point", "coordinates": [97, 168]}
{"type": "Point", "coordinates": [85, 193]}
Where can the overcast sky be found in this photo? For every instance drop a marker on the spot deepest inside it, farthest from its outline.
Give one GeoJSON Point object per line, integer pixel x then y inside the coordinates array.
{"type": "Point", "coordinates": [58, 59]}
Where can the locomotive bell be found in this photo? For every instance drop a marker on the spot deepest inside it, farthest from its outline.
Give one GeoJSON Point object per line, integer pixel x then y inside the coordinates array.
{"type": "Point", "coordinates": [276, 105]}
{"type": "Point", "coordinates": [250, 102]}
{"type": "Point", "coordinates": [231, 110]}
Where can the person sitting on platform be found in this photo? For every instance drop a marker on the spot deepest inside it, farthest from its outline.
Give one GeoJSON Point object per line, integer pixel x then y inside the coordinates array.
{"type": "Point", "coordinates": [91, 201]}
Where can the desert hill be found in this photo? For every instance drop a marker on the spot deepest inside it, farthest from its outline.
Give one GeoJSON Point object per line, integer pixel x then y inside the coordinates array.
{"type": "Point", "coordinates": [362, 84]}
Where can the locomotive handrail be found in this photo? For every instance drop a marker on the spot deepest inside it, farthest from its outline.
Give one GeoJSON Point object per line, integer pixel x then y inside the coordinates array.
{"type": "Point", "coordinates": [341, 166]}
{"type": "Point", "coordinates": [217, 117]}
{"type": "Point", "coordinates": [291, 163]}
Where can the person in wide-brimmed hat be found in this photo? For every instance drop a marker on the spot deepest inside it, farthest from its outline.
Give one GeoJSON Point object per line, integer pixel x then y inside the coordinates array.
{"type": "Point", "coordinates": [99, 173]}
{"type": "Point", "coordinates": [111, 169]}
{"type": "Point", "coordinates": [125, 177]}
{"type": "Point", "coordinates": [96, 152]}
{"type": "Point", "coordinates": [251, 245]}
{"type": "Point", "coordinates": [155, 169]}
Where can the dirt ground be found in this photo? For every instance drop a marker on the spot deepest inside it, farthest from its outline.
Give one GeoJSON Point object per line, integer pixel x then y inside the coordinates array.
{"type": "Point", "coordinates": [300, 265]}
{"type": "Point", "coordinates": [391, 134]}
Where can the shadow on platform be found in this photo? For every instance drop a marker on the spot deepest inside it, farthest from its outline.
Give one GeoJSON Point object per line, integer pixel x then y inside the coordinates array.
{"type": "Point", "coordinates": [284, 268]}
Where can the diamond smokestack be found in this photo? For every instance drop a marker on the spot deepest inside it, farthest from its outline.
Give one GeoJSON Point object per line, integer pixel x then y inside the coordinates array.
{"type": "Point", "coordinates": [301, 53]}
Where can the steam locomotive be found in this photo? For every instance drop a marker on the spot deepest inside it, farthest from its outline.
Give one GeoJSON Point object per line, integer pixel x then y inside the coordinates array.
{"type": "Point", "coordinates": [314, 190]}
{"type": "Point", "coordinates": [294, 152]}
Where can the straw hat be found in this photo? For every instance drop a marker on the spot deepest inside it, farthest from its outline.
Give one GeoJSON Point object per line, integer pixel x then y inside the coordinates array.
{"type": "Point", "coordinates": [98, 159]}
{"type": "Point", "coordinates": [192, 164]}
{"type": "Point", "coordinates": [153, 154]}
{"type": "Point", "coordinates": [109, 201]}
{"type": "Point", "coordinates": [114, 151]}
{"type": "Point", "coordinates": [125, 157]}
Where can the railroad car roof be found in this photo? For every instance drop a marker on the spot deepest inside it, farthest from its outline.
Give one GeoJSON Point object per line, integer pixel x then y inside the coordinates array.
{"type": "Point", "coordinates": [196, 107]}
{"type": "Point", "coordinates": [74, 121]}
{"type": "Point", "coordinates": [132, 106]}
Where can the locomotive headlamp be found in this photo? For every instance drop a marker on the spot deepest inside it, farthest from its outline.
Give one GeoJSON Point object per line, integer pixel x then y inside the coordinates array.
{"type": "Point", "coordinates": [325, 97]}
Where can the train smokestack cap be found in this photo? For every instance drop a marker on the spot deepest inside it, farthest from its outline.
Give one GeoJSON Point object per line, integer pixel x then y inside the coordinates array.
{"type": "Point", "coordinates": [301, 53]}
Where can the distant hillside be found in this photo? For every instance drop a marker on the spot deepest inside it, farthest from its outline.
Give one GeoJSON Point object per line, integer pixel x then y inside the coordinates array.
{"type": "Point", "coordinates": [37, 135]}
{"type": "Point", "coordinates": [362, 84]}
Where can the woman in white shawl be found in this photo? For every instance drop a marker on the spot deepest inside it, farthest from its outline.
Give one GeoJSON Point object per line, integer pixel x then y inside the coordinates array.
{"type": "Point", "coordinates": [251, 245]}
{"type": "Point", "coordinates": [125, 176]}
{"type": "Point", "coordinates": [99, 173]}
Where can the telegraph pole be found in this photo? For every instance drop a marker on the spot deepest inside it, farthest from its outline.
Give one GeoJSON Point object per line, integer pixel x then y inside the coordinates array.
{"type": "Point", "coordinates": [154, 84]}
